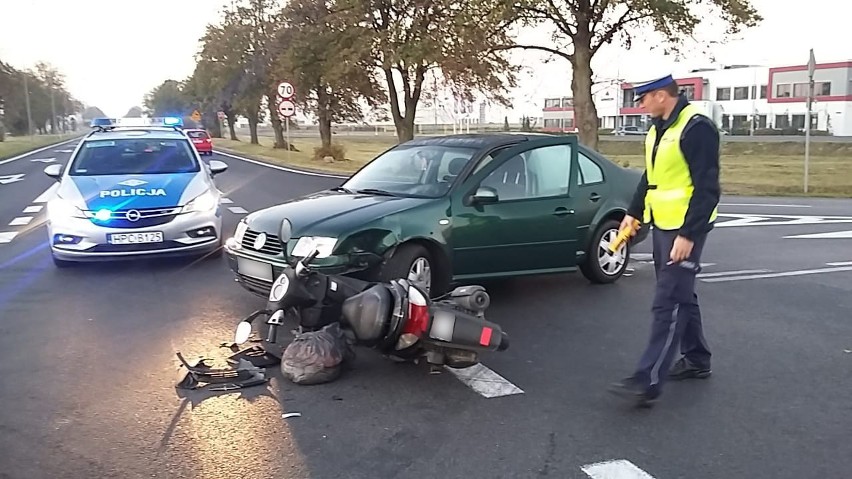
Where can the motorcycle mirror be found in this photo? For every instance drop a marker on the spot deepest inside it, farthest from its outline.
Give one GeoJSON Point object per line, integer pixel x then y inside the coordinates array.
{"type": "Point", "coordinates": [243, 332]}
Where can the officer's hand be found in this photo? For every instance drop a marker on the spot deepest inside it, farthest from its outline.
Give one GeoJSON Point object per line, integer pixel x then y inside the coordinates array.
{"type": "Point", "coordinates": [681, 249]}
{"type": "Point", "coordinates": [628, 222]}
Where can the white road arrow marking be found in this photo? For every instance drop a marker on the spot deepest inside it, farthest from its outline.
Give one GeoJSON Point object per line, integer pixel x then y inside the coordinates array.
{"type": "Point", "coordinates": [43, 160]}
{"type": "Point", "coordinates": [5, 180]}
{"type": "Point", "coordinates": [831, 235]}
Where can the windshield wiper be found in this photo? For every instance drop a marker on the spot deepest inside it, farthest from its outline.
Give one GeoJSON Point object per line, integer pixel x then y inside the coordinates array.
{"type": "Point", "coordinates": [374, 191]}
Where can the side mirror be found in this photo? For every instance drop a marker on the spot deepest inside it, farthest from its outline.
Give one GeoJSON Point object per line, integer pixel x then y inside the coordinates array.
{"type": "Point", "coordinates": [54, 171]}
{"type": "Point", "coordinates": [485, 195]}
{"type": "Point", "coordinates": [217, 167]}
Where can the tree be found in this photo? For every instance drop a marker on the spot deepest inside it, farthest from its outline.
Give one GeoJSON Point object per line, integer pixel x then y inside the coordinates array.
{"type": "Point", "coordinates": [166, 100]}
{"type": "Point", "coordinates": [326, 60]}
{"type": "Point", "coordinates": [30, 99]}
{"type": "Point", "coordinates": [411, 37]}
{"type": "Point", "coordinates": [506, 123]}
{"type": "Point", "coordinates": [582, 27]}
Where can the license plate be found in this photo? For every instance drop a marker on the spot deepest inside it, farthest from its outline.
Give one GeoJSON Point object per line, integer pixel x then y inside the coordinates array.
{"type": "Point", "coordinates": [136, 238]}
{"type": "Point", "coordinates": [255, 269]}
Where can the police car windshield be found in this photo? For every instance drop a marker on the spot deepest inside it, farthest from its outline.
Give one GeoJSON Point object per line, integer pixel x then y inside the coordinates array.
{"type": "Point", "coordinates": [134, 156]}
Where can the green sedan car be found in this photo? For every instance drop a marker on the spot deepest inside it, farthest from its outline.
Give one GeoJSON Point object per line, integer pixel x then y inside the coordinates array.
{"type": "Point", "coordinates": [452, 209]}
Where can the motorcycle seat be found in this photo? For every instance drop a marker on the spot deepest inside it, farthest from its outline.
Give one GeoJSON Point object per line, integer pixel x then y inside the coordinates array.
{"type": "Point", "coordinates": [368, 313]}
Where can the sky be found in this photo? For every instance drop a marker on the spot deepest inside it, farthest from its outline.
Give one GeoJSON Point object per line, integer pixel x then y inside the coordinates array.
{"type": "Point", "coordinates": [112, 53]}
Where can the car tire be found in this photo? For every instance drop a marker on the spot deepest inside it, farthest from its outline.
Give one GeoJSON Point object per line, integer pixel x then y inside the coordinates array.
{"type": "Point", "coordinates": [406, 258]}
{"type": "Point", "coordinates": [592, 268]}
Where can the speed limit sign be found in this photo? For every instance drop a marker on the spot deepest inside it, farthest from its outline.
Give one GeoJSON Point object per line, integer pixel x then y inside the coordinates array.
{"type": "Point", "coordinates": [286, 90]}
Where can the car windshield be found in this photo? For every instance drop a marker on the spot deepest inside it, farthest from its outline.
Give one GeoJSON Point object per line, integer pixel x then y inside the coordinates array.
{"type": "Point", "coordinates": [134, 156]}
{"type": "Point", "coordinates": [197, 134]}
{"type": "Point", "coordinates": [421, 171]}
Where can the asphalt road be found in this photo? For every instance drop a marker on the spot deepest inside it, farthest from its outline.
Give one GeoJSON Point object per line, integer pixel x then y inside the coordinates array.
{"type": "Point", "coordinates": [88, 365]}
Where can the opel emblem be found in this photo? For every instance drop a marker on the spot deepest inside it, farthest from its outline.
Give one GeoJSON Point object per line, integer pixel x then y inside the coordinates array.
{"type": "Point", "coordinates": [133, 215]}
{"type": "Point", "coordinates": [260, 241]}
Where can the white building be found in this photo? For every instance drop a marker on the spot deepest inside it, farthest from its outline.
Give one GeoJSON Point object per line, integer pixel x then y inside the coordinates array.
{"type": "Point", "coordinates": [773, 98]}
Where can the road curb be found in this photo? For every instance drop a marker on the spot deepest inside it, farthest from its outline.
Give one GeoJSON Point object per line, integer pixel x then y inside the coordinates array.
{"type": "Point", "coordinates": [3, 161]}
{"type": "Point", "coordinates": [290, 169]}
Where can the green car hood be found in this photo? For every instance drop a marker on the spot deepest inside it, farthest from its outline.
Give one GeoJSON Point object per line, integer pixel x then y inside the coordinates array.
{"type": "Point", "coordinates": [330, 213]}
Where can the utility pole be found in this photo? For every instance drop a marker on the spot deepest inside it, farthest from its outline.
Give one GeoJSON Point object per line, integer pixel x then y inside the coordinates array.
{"type": "Point", "coordinates": [29, 112]}
{"type": "Point", "coordinates": [811, 68]}
{"type": "Point", "coordinates": [53, 111]}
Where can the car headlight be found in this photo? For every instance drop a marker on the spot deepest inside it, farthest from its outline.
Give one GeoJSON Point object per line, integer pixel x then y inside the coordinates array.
{"type": "Point", "coordinates": [242, 226]}
{"type": "Point", "coordinates": [307, 244]}
{"type": "Point", "coordinates": [61, 208]}
{"type": "Point", "coordinates": [279, 288]}
{"type": "Point", "coordinates": [204, 202]}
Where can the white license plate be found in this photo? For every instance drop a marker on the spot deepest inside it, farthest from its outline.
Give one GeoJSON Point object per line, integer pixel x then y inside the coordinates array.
{"type": "Point", "coordinates": [255, 269]}
{"type": "Point", "coordinates": [136, 238]}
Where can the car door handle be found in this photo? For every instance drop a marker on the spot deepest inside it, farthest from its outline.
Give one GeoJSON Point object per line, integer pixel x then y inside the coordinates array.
{"type": "Point", "coordinates": [594, 197]}
{"type": "Point", "coordinates": [561, 211]}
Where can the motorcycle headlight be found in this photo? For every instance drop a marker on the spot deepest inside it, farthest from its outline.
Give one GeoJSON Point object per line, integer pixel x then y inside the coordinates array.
{"type": "Point", "coordinates": [279, 288]}
{"type": "Point", "coordinates": [204, 202]}
{"type": "Point", "coordinates": [306, 245]}
{"type": "Point", "coordinates": [61, 208]}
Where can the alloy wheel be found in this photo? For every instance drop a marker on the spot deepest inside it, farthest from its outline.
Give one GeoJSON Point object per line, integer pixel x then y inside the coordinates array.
{"type": "Point", "coordinates": [611, 263]}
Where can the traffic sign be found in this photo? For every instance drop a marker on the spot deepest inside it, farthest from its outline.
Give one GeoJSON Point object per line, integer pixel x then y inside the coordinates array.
{"type": "Point", "coordinates": [287, 108]}
{"type": "Point", "coordinates": [286, 90]}
{"type": "Point", "coordinates": [196, 116]}
{"type": "Point", "coordinates": [221, 115]}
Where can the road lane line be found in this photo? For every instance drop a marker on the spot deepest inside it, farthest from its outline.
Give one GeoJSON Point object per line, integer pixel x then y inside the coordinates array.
{"type": "Point", "coordinates": [38, 150]}
{"type": "Point", "coordinates": [226, 201]}
{"type": "Point", "coordinates": [33, 209]}
{"type": "Point", "coordinates": [617, 469]}
{"type": "Point", "coordinates": [778, 275]}
{"type": "Point", "coordinates": [43, 160]}
{"type": "Point", "coordinates": [7, 237]}
{"type": "Point", "coordinates": [841, 263]}
{"type": "Point", "coordinates": [778, 205]}
{"type": "Point", "coordinates": [21, 221]}
{"type": "Point", "coordinates": [485, 381]}
{"type": "Point", "coordinates": [731, 273]}
{"type": "Point", "coordinates": [238, 210]}
{"type": "Point", "coordinates": [282, 168]}
{"type": "Point", "coordinates": [47, 195]}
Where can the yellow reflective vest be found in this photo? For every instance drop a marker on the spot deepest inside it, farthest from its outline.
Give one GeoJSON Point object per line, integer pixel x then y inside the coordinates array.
{"type": "Point", "coordinates": [669, 181]}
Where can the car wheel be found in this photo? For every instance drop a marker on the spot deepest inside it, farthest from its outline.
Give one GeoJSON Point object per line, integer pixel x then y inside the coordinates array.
{"type": "Point", "coordinates": [412, 262]}
{"type": "Point", "coordinates": [600, 265]}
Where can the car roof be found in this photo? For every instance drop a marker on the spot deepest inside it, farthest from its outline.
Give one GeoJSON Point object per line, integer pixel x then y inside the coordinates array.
{"type": "Point", "coordinates": [478, 140]}
{"type": "Point", "coordinates": [136, 132]}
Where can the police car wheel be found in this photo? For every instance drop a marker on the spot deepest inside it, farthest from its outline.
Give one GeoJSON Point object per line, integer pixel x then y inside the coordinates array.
{"type": "Point", "coordinates": [600, 266]}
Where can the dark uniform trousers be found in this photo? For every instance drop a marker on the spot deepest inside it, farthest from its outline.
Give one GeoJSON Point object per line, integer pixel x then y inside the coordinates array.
{"type": "Point", "coordinates": [677, 316]}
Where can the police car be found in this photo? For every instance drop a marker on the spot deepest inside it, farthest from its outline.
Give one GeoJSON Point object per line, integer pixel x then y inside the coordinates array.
{"type": "Point", "coordinates": [134, 187]}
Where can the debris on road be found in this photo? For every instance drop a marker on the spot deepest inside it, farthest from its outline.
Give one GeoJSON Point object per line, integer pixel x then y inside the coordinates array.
{"type": "Point", "coordinates": [291, 414]}
{"type": "Point", "coordinates": [201, 376]}
{"type": "Point", "coordinates": [316, 357]}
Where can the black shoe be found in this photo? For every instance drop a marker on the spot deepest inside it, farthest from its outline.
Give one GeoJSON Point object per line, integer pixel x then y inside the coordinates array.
{"type": "Point", "coordinates": [631, 389]}
{"type": "Point", "coordinates": [683, 369]}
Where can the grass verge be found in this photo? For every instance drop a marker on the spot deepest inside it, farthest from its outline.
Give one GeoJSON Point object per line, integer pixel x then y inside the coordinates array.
{"type": "Point", "coordinates": [15, 145]}
{"type": "Point", "coordinates": [748, 168]}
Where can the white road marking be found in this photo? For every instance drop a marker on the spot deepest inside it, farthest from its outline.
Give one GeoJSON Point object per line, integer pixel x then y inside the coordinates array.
{"type": "Point", "coordinates": [7, 237]}
{"type": "Point", "coordinates": [831, 235]}
{"type": "Point", "coordinates": [237, 209]}
{"type": "Point", "coordinates": [64, 151]}
{"type": "Point", "coordinates": [617, 469]}
{"type": "Point", "coordinates": [282, 168]}
{"type": "Point", "coordinates": [769, 205]}
{"type": "Point", "coordinates": [485, 381]}
{"type": "Point", "coordinates": [7, 179]}
{"type": "Point", "coordinates": [226, 201]}
{"type": "Point", "coordinates": [21, 221]}
{"type": "Point", "coordinates": [43, 160]}
{"type": "Point", "coordinates": [47, 195]}
{"type": "Point", "coordinates": [841, 263]}
{"type": "Point", "coordinates": [33, 209]}
{"type": "Point", "coordinates": [778, 275]}
{"type": "Point", "coordinates": [762, 220]}
{"type": "Point", "coordinates": [731, 273]}
{"type": "Point", "coordinates": [38, 150]}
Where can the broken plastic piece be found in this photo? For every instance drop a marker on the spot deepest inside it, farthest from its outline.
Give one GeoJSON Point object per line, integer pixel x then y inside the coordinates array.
{"type": "Point", "coordinates": [244, 375]}
{"type": "Point", "coordinates": [255, 355]}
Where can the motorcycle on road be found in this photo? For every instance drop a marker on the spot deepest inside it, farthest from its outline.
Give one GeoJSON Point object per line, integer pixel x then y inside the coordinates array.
{"type": "Point", "coordinates": [396, 318]}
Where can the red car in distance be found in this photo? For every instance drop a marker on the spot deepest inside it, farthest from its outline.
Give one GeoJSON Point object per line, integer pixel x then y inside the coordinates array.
{"type": "Point", "coordinates": [201, 140]}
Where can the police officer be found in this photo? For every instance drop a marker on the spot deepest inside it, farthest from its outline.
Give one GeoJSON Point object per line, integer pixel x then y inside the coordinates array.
{"type": "Point", "coordinates": [678, 195]}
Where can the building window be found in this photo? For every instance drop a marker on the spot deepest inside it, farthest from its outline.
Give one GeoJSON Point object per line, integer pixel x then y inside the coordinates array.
{"type": "Point", "coordinates": [763, 91]}
{"type": "Point", "coordinates": [552, 123]}
{"type": "Point", "coordinates": [782, 121]}
{"type": "Point", "coordinates": [822, 88]}
{"type": "Point", "coordinates": [783, 91]}
{"type": "Point", "coordinates": [627, 100]}
{"type": "Point", "coordinates": [753, 91]}
{"type": "Point", "coordinates": [552, 103]}
{"type": "Point", "coordinates": [799, 122]}
{"type": "Point", "coordinates": [739, 122]}
{"type": "Point", "coordinates": [741, 93]}
{"type": "Point", "coordinates": [689, 92]}
{"type": "Point", "coordinates": [567, 102]}
{"type": "Point", "coordinates": [761, 121]}
{"type": "Point", "coordinates": [800, 90]}
{"type": "Point", "coordinates": [723, 94]}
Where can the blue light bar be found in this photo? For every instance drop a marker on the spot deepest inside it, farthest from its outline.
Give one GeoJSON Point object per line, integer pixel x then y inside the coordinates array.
{"type": "Point", "coordinates": [173, 121]}
{"type": "Point", "coordinates": [98, 122]}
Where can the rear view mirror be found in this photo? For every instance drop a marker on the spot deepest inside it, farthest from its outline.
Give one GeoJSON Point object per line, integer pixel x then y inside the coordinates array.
{"type": "Point", "coordinates": [217, 166]}
{"type": "Point", "coordinates": [485, 195]}
{"type": "Point", "coordinates": [53, 171]}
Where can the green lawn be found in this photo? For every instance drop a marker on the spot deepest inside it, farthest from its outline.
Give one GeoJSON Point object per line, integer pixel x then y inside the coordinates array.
{"type": "Point", "coordinates": [748, 168]}
{"type": "Point", "coordinates": [15, 145]}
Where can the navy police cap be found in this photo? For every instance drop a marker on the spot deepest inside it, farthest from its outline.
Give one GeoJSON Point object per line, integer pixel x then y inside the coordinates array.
{"type": "Point", "coordinates": [652, 85]}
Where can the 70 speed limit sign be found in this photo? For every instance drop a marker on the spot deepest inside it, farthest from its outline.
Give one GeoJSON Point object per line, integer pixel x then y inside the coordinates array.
{"type": "Point", "coordinates": [286, 90]}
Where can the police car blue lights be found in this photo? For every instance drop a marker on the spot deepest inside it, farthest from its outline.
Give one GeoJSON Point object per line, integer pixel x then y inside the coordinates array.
{"type": "Point", "coordinates": [134, 186]}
